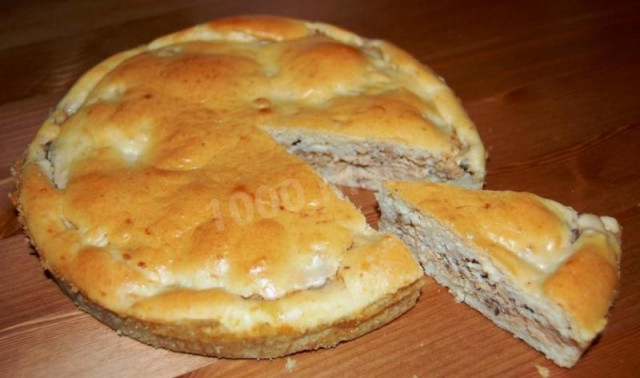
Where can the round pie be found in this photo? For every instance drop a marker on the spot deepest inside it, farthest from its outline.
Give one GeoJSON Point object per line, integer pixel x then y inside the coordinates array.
{"type": "Point", "coordinates": [181, 191]}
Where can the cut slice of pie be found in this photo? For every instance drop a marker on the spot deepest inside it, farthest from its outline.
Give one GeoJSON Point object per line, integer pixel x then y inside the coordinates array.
{"type": "Point", "coordinates": [163, 195]}
{"type": "Point", "coordinates": [533, 266]}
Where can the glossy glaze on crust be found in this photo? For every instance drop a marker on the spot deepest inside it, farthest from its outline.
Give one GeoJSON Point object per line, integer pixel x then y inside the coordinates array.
{"type": "Point", "coordinates": [153, 193]}
{"type": "Point", "coordinates": [548, 250]}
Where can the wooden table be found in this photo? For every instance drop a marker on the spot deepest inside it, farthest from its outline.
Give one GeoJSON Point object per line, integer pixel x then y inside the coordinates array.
{"type": "Point", "coordinates": [551, 85]}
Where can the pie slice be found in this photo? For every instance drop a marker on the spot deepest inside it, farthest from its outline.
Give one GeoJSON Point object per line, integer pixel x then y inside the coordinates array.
{"type": "Point", "coordinates": [165, 196]}
{"type": "Point", "coordinates": [533, 266]}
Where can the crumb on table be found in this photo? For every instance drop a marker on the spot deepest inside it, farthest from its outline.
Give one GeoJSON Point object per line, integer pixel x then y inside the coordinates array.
{"type": "Point", "coordinates": [543, 371]}
{"type": "Point", "coordinates": [290, 364]}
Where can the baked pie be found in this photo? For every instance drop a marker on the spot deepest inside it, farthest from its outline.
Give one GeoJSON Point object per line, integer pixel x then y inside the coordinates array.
{"type": "Point", "coordinates": [180, 191]}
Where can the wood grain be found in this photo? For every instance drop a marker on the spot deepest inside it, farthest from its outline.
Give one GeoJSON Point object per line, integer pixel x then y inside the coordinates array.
{"type": "Point", "coordinates": [552, 87]}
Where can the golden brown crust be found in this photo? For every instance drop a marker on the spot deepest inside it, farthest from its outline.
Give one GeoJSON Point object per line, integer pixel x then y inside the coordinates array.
{"type": "Point", "coordinates": [262, 27]}
{"type": "Point", "coordinates": [585, 285]}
